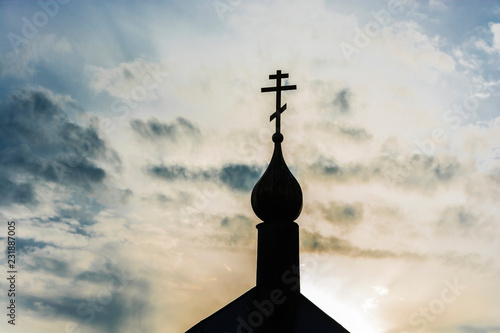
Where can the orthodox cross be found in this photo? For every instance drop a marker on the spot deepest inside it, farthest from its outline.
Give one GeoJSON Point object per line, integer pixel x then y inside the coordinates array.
{"type": "Point", "coordinates": [279, 109]}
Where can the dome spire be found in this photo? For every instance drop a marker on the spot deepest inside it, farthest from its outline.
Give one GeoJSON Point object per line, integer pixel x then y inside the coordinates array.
{"type": "Point", "coordinates": [277, 196]}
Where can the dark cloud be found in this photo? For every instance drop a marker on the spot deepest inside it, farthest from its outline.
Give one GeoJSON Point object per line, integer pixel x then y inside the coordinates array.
{"type": "Point", "coordinates": [446, 169]}
{"type": "Point", "coordinates": [467, 221]}
{"type": "Point", "coordinates": [84, 212]}
{"type": "Point", "coordinates": [237, 230]}
{"type": "Point", "coordinates": [154, 129]}
{"type": "Point", "coordinates": [314, 242]}
{"type": "Point", "coordinates": [239, 177]}
{"type": "Point", "coordinates": [49, 307]}
{"type": "Point", "coordinates": [86, 173]}
{"type": "Point", "coordinates": [117, 312]}
{"type": "Point", "coordinates": [459, 216]}
{"type": "Point", "coordinates": [184, 123]}
{"type": "Point", "coordinates": [355, 133]}
{"type": "Point", "coordinates": [95, 277]}
{"type": "Point", "coordinates": [422, 171]}
{"type": "Point", "coordinates": [116, 299]}
{"type": "Point", "coordinates": [413, 172]}
{"type": "Point", "coordinates": [351, 171]}
{"type": "Point", "coordinates": [39, 141]}
{"type": "Point", "coordinates": [162, 198]}
{"type": "Point", "coordinates": [85, 141]}
{"type": "Point", "coordinates": [344, 214]}
{"type": "Point", "coordinates": [326, 167]}
{"type": "Point", "coordinates": [127, 74]}
{"type": "Point", "coordinates": [30, 116]}
{"type": "Point", "coordinates": [16, 193]}
{"type": "Point", "coordinates": [26, 245]}
{"type": "Point", "coordinates": [73, 215]}
{"type": "Point", "coordinates": [341, 100]}
{"type": "Point", "coordinates": [21, 158]}
{"type": "Point", "coordinates": [53, 266]}
{"type": "Point", "coordinates": [172, 172]}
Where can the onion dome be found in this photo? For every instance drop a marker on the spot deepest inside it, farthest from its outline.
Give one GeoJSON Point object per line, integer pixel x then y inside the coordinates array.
{"type": "Point", "coordinates": [277, 196]}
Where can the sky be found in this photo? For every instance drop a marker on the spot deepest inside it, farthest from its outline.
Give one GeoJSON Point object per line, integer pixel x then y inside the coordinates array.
{"type": "Point", "coordinates": [132, 134]}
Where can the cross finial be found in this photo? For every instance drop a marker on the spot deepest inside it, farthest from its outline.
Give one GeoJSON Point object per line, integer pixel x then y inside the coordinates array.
{"type": "Point", "coordinates": [279, 109]}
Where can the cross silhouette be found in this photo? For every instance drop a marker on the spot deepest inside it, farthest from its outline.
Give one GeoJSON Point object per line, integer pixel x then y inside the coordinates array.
{"type": "Point", "coordinates": [279, 109]}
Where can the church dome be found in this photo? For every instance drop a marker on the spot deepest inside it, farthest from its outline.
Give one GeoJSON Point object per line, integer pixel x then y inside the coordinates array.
{"type": "Point", "coordinates": [277, 196]}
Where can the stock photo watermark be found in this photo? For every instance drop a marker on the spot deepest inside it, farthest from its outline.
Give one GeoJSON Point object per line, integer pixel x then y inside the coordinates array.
{"type": "Point", "coordinates": [97, 303]}
{"type": "Point", "coordinates": [11, 272]}
{"type": "Point", "coordinates": [263, 309]}
{"type": "Point", "coordinates": [222, 7]}
{"type": "Point", "coordinates": [363, 37]}
{"type": "Point", "coordinates": [436, 307]}
{"type": "Point", "coordinates": [266, 307]}
{"type": "Point", "coordinates": [426, 147]}
{"type": "Point", "coordinates": [31, 27]}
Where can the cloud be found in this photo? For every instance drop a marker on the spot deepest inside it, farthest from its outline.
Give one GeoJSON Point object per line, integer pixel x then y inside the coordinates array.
{"type": "Point", "coordinates": [86, 141]}
{"type": "Point", "coordinates": [342, 214]}
{"type": "Point", "coordinates": [446, 168]}
{"type": "Point", "coordinates": [177, 172]}
{"type": "Point", "coordinates": [94, 276]}
{"type": "Point", "coordinates": [38, 138]}
{"type": "Point", "coordinates": [237, 230]}
{"type": "Point", "coordinates": [84, 212]}
{"type": "Point", "coordinates": [154, 129]}
{"type": "Point", "coordinates": [24, 60]}
{"type": "Point", "coordinates": [97, 294]}
{"type": "Point", "coordinates": [16, 193]}
{"type": "Point", "coordinates": [341, 100]}
{"type": "Point", "coordinates": [411, 171]}
{"type": "Point", "coordinates": [49, 265]}
{"type": "Point", "coordinates": [495, 30]}
{"type": "Point", "coordinates": [472, 261]}
{"type": "Point", "coordinates": [459, 216]}
{"type": "Point", "coordinates": [350, 171]}
{"type": "Point", "coordinates": [423, 172]}
{"type": "Point", "coordinates": [27, 245]}
{"type": "Point", "coordinates": [121, 313]}
{"type": "Point", "coordinates": [238, 177]}
{"type": "Point", "coordinates": [355, 133]}
{"type": "Point", "coordinates": [137, 80]}
{"type": "Point", "coordinates": [315, 242]}
{"type": "Point", "coordinates": [494, 47]}
{"type": "Point", "coordinates": [469, 221]}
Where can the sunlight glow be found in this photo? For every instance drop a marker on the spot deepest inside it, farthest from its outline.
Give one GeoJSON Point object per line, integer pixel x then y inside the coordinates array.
{"type": "Point", "coordinates": [351, 316]}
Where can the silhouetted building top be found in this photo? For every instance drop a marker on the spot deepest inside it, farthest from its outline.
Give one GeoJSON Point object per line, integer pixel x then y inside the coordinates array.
{"type": "Point", "coordinates": [275, 304]}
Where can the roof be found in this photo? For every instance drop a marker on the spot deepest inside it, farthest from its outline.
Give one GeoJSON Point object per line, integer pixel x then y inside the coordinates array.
{"type": "Point", "coordinates": [243, 316]}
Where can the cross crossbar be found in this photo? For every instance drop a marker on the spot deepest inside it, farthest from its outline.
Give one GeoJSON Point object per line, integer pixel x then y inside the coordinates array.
{"type": "Point", "coordinates": [278, 88]}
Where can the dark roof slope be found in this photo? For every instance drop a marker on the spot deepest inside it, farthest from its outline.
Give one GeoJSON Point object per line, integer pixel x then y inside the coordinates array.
{"type": "Point", "coordinates": [243, 316]}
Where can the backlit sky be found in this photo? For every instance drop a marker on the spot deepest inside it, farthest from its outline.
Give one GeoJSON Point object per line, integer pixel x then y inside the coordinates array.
{"type": "Point", "coordinates": [132, 133]}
